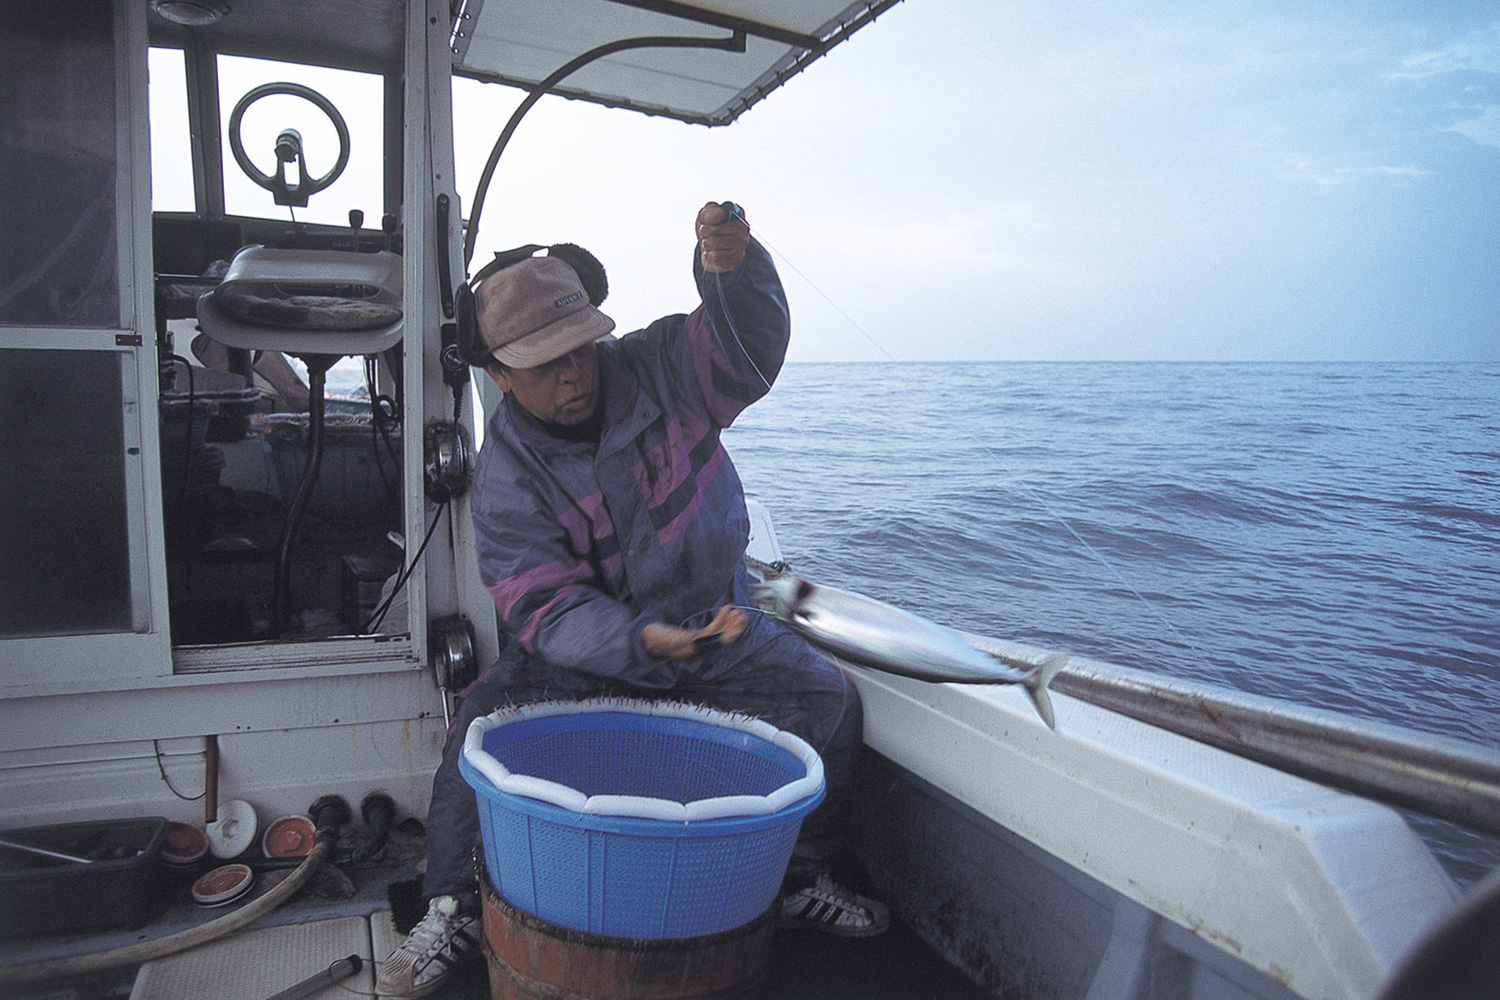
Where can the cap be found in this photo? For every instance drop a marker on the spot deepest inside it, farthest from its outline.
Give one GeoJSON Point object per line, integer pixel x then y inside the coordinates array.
{"type": "Point", "coordinates": [535, 311]}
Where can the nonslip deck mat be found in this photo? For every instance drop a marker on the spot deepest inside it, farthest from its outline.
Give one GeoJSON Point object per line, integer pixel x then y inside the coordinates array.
{"type": "Point", "coordinates": [256, 964]}
{"type": "Point", "coordinates": [384, 937]}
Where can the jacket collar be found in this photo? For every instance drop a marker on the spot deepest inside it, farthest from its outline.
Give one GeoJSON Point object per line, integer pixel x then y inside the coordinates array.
{"type": "Point", "coordinates": [627, 410]}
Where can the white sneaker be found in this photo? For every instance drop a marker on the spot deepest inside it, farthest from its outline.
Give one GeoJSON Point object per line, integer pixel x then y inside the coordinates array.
{"type": "Point", "coordinates": [432, 950]}
{"type": "Point", "coordinates": [829, 907]}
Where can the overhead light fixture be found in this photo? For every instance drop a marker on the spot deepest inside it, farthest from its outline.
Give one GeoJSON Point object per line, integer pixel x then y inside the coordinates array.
{"type": "Point", "coordinates": [193, 13]}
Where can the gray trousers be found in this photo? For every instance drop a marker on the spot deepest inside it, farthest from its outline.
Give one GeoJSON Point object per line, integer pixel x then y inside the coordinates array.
{"type": "Point", "coordinates": [769, 673]}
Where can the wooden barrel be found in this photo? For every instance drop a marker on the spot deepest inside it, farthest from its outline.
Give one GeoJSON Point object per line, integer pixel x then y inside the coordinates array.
{"type": "Point", "coordinates": [532, 959]}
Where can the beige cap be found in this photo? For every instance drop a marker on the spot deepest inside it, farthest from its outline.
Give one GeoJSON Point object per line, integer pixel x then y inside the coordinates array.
{"type": "Point", "coordinates": [535, 311]}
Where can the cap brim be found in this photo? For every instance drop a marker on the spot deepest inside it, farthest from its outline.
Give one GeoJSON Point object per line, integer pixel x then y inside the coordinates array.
{"type": "Point", "coordinates": [554, 340]}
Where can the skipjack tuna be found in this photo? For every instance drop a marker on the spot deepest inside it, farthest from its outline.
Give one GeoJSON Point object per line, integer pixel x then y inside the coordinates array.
{"type": "Point", "coordinates": [875, 634]}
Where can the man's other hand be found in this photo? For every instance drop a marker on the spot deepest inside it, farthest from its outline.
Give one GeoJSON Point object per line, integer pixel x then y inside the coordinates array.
{"type": "Point", "coordinates": [669, 642]}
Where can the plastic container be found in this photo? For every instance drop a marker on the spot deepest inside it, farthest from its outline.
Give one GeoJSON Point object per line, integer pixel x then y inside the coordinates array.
{"type": "Point", "coordinates": [358, 479]}
{"type": "Point", "coordinates": [124, 885]}
{"type": "Point", "coordinates": [639, 820]}
{"type": "Point", "coordinates": [184, 845]}
{"type": "Point", "coordinates": [217, 416]}
{"type": "Point", "coordinates": [288, 837]}
{"type": "Point", "coordinates": [234, 832]}
{"type": "Point", "coordinates": [223, 885]}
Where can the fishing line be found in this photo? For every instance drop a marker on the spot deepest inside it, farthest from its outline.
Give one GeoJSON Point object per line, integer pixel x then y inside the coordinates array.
{"type": "Point", "coordinates": [760, 235]}
{"type": "Point", "coordinates": [1041, 502]}
{"type": "Point", "coordinates": [355, 991]}
{"type": "Point", "coordinates": [733, 211]}
{"type": "Point", "coordinates": [736, 212]}
{"type": "Point", "coordinates": [1019, 481]}
{"type": "Point", "coordinates": [724, 307]}
{"type": "Point", "coordinates": [771, 639]}
{"type": "Point", "coordinates": [710, 612]}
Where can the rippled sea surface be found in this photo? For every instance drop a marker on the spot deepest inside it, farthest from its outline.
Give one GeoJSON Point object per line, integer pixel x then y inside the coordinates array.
{"type": "Point", "coordinates": [1327, 534]}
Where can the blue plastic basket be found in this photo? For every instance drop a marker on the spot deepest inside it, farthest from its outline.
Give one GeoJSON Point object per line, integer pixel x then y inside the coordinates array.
{"type": "Point", "coordinates": [637, 819]}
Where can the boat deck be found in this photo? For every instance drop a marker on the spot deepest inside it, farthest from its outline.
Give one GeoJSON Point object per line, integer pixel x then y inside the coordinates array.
{"type": "Point", "coordinates": [894, 966]}
{"type": "Point", "coordinates": [348, 911]}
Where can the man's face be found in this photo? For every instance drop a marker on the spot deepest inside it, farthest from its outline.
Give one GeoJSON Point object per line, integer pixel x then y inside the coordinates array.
{"type": "Point", "coordinates": [563, 391]}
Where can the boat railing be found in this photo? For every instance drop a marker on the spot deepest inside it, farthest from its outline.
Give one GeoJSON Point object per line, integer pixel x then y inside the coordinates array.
{"type": "Point", "coordinates": [1441, 777]}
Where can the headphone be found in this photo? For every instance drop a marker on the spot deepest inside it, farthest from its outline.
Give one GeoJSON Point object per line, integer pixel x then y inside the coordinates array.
{"type": "Point", "coordinates": [470, 345]}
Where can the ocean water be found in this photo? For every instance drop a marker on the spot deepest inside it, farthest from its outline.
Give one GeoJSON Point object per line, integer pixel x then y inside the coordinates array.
{"type": "Point", "coordinates": [1328, 534]}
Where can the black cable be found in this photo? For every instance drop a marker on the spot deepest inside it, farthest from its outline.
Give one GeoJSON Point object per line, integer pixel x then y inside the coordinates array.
{"type": "Point", "coordinates": [382, 416]}
{"type": "Point", "coordinates": [379, 614]}
{"type": "Point", "coordinates": [187, 444]}
{"type": "Point", "coordinates": [156, 745]}
{"type": "Point", "coordinates": [734, 43]}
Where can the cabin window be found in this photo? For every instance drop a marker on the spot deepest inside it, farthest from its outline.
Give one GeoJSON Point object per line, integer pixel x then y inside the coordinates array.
{"type": "Point", "coordinates": [359, 98]}
{"type": "Point", "coordinates": [254, 554]}
{"type": "Point", "coordinates": [172, 187]}
{"type": "Point", "coordinates": [63, 523]}
{"type": "Point", "coordinates": [58, 260]}
{"type": "Point", "coordinates": [76, 540]}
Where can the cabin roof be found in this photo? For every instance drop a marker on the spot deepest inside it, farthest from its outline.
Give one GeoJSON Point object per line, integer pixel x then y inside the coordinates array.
{"type": "Point", "coordinates": [522, 42]}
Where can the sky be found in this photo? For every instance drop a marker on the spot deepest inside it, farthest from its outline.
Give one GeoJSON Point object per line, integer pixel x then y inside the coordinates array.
{"type": "Point", "coordinates": [967, 179]}
{"type": "Point", "coordinates": [1066, 180]}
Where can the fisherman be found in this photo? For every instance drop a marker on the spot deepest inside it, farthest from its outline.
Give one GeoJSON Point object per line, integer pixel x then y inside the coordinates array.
{"type": "Point", "coordinates": [611, 530]}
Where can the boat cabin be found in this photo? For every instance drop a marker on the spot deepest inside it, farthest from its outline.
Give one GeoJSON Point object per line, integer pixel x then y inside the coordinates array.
{"type": "Point", "coordinates": [237, 449]}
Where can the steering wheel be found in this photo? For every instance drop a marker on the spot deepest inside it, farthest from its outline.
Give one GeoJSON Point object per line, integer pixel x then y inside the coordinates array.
{"type": "Point", "coordinates": [289, 146]}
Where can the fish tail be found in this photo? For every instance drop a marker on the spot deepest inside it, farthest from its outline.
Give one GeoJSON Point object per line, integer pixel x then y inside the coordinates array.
{"type": "Point", "coordinates": [1036, 687]}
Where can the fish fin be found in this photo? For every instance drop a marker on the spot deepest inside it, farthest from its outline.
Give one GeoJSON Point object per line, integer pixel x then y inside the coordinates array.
{"type": "Point", "coordinates": [1045, 671]}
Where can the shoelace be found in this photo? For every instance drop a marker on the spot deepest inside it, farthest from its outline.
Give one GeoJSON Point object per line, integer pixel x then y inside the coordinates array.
{"type": "Point", "coordinates": [431, 931]}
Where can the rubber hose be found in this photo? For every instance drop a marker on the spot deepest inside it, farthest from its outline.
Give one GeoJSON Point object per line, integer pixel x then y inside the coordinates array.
{"type": "Point", "coordinates": [79, 965]}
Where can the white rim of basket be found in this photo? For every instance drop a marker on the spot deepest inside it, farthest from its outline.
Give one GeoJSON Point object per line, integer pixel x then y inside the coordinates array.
{"type": "Point", "coordinates": [641, 806]}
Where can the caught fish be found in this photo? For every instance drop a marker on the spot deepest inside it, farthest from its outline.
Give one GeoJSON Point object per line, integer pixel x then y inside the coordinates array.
{"type": "Point", "coordinates": [875, 634]}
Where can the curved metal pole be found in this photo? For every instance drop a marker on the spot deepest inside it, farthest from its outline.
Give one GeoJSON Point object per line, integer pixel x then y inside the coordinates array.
{"type": "Point", "coordinates": [281, 585]}
{"type": "Point", "coordinates": [734, 43]}
{"type": "Point", "coordinates": [1437, 776]}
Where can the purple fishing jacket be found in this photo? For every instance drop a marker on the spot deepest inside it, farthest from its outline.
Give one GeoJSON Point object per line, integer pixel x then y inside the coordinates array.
{"type": "Point", "coordinates": [581, 548]}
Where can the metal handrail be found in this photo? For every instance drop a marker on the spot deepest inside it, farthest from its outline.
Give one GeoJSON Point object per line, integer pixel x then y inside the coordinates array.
{"type": "Point", "coordinates": [1438, 776]}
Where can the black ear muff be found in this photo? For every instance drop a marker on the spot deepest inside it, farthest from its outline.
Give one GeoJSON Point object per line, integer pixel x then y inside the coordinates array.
{"type": "Point", "coordinates": [590, 272]}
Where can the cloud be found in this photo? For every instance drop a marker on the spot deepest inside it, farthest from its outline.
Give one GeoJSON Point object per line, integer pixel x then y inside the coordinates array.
{"type": "Point", "coordinates": [1329, 177]}
{"type": "Point", "coordinates": [1478, 51]}
{"type": "Point", "coordinates": [1469, 94]}
{"type": "Point", "coordinates": [1483, 129]}
{"type": "Point", "coordinates": [1009, 247]}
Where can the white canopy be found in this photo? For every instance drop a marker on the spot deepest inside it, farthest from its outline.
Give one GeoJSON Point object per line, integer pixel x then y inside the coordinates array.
{"type": "Point", "coordinates": [522, 42]}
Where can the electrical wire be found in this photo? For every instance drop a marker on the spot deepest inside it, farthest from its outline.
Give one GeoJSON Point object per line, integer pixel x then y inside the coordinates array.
{"type": "Point", "coordinates": [187, 444]}
{"type": "Point", "coordinates": [384, 414]}
{"type": "Point", "coordinates": [379, 614]}
{"type": "Point", "coordinates": [156, 746]}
